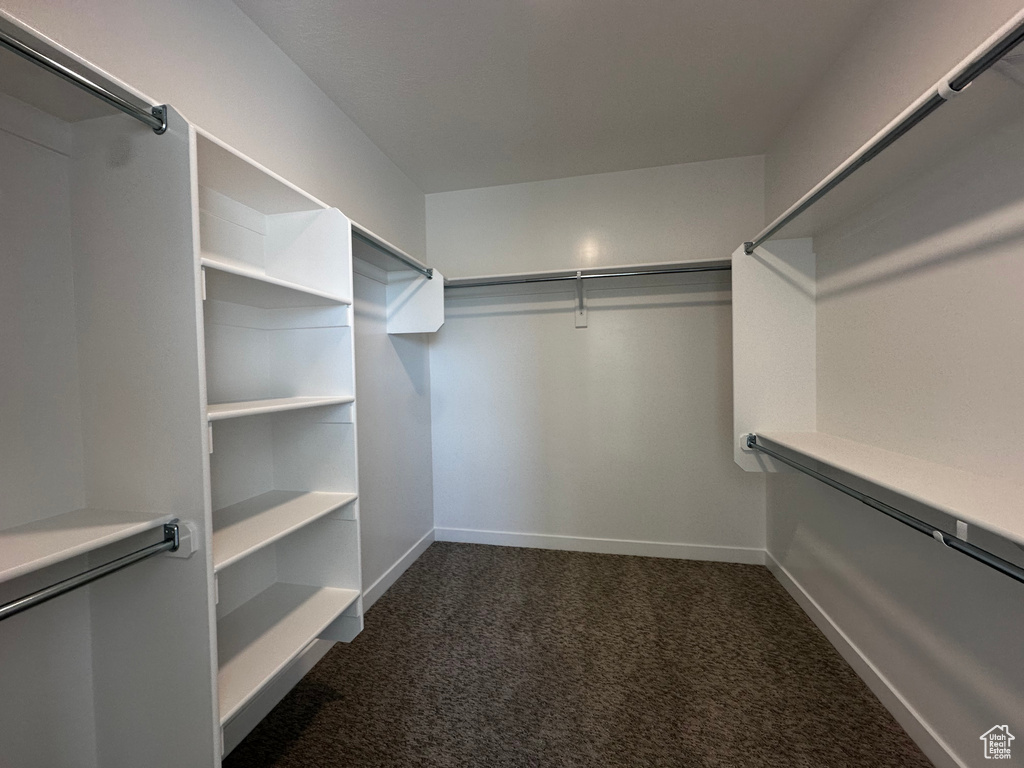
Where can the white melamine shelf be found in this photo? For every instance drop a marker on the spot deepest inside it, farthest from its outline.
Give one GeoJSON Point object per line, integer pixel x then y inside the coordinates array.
{"type": "Point", "coordinates": [243, 528]}
{"type": "Point", "coordinates": [264, 290]}
{"type": "Point", "coordinates": [218, 411]}
{"type": "Point", "coordinates": [29, 547]}
{"type": "Point", "coordinates": [989, 503]}
{"type": "Point", "coordinates": [259, 639]}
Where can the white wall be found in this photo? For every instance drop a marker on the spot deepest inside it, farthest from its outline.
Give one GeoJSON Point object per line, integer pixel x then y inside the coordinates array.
{"type": "Point", "coordinates": [672, 213]}
{"type": "Point", "coordinates": [208, 60]}
{"type": "Point", "coordinates": [616, 437]}
{"type": "Point", "coordinates": [393, 400]}
{"type": "Point", "coordinates": [919, 339]}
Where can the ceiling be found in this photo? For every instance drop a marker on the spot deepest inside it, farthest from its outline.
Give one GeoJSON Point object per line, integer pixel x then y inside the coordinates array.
{"type": "Point", "coordinates": [472, 93]}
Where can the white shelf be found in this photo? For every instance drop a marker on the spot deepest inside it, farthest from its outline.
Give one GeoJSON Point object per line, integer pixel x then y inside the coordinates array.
{"type": "Point", "coordinates": [986, 502]}
{"type": "Point", "coordinates": [27, 548]}
{"type": "Point", "coordinates": [261, 638]}
{"type": "Point", "coordinates": [263, 290]}
{"type": "Point", "coordinates": [243, 528]}
{"type": "Point", "coordinates": [218, 411]}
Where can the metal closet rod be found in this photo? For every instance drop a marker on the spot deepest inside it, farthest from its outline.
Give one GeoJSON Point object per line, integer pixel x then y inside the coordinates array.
{"type": "Point", "coordinates": [954, 83]}
{"type": "Point", "coordinates": [154, 117]}
{"type": "Point", "coordinates": [170, 543]}
{"type": "Point", "coordinates": [1005, 567]}
{"type": "Point", "coordinates": [427, 272]}
{"type": "Point", "coordinates": [581, 274]}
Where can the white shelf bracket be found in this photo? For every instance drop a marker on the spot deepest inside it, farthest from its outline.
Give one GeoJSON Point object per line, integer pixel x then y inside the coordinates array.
{"type": "Point", "coordinates": [202, 281]}
{"type": "Point", "coordinates": [580, 309]}
{"type": "Point", "coordinates": [209, 435]}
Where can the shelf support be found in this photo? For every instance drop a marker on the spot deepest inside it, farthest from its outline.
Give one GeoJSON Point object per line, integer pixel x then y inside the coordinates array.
{"type": "Point", "coordinates": [1005, 567]}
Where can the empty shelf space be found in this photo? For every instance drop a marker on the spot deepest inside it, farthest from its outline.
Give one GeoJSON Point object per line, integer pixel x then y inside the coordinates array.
{"type": "Point", "coordinates": [243, 528]}
{"type": "Point", "coordinates": [262, 637]}
{"type": "Point", "coordinates": [29, 547]}
{"type": "Point", "coordinates": [242, 283]}
{"type": "Point", "coordinates": [218, 411]}
{"type": "Point", "coordinates": [989, 503]}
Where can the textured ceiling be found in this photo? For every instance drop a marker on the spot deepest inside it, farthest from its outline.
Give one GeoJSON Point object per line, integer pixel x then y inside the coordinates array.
{"type": "Point", "coordinates": [471, 93]}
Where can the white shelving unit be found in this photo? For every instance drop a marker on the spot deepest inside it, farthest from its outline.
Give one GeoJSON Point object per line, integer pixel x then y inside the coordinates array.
{"type": "Point", "coordinates": [102, 412]}
{"type": "Point", "coordinates": [859, 335]}
{"type": "Point", "coordinates": [277, 293]}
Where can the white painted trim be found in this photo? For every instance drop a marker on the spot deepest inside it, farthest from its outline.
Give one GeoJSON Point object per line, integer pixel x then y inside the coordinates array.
{"type": "Point", "coordinates": [930, 742]}
{"type": "Point", "coordinates": [374, 592]}
{"type": "Point", "coordinates": [747, 555]}
{"type": "Point", "coordinates": [238, 727]}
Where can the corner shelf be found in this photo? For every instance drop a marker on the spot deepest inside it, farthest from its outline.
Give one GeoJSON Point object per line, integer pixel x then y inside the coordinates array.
{"type": "Point", "coordinates": [259, 639]}
{"type": "Point", "coordinates": [218, 411]}
{"type": "Point", "coordinates": [989, 503]}
{"type": "Point", "coordinates": [245, 527]}
{"type": "Point", "coordinates": [33, 546]}
{"type": "Point", "coordinates": [243, 283]}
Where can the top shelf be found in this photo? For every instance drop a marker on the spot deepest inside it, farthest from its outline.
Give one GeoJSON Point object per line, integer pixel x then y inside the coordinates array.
{"type": "Point", "coordinates": [989, 503]}
{"type": "Point", "coordinates": [33, 546]}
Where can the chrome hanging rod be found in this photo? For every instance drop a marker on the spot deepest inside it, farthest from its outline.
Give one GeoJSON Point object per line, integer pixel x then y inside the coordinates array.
{"type": "Point", "coordinates": [154, 117]}
{"type": "Point", "coordinates": [388, 250]}
{"type": "Point", "coordinates": [584, 274]}
{"type": "Point", "coordinates": [1005, 567]}
{"type": "Point", "coordinates": [962, 76]}
{"type": "Point", "coordinates": [170, 543]}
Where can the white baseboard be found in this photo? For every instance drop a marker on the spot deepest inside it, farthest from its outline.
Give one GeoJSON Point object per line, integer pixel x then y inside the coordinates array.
{"type": "Point", "coordinates": [373, 593]}
{"type": "Point", "coordinates": [747, 555]}
{"type": "Point", "coordinates": [934, 747]}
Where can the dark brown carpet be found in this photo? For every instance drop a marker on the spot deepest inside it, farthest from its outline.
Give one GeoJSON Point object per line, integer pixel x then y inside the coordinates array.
{"type": "Point", "coordinates": [491, 656]}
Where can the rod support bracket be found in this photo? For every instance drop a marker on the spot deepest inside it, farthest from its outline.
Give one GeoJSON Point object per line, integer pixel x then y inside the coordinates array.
{"type": "Point", "coordinates": [171, 533]}
{"type": "Point", "coordinates": [748, 248]}
{"type": "Point", "coordinates": [946, 90]}
{"type": "Point", "coordinates": [160, 113]}
{"type": "Point", "coordinates": [185, 537]}
{"type": "Point", "coordinates": [581, 302]}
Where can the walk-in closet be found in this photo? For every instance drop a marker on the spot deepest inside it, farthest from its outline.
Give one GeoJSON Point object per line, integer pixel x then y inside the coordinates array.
{"type": "Point", "coordinates": [511, 384]}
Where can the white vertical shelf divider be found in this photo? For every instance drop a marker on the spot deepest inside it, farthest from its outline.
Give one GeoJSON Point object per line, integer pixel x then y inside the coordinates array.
{"type": "Point", "coordinates": [774, 353]}
{"type": "Point", "coordinates": [280, 379]}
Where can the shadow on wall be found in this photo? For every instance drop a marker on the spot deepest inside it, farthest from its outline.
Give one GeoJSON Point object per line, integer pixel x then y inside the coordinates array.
{"type": "Point", "coordinates": [968, 207]}
{"type": "Point", "coordinates": [409, 350]}
{"type": "Point", "coordinates": [898, 591]}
